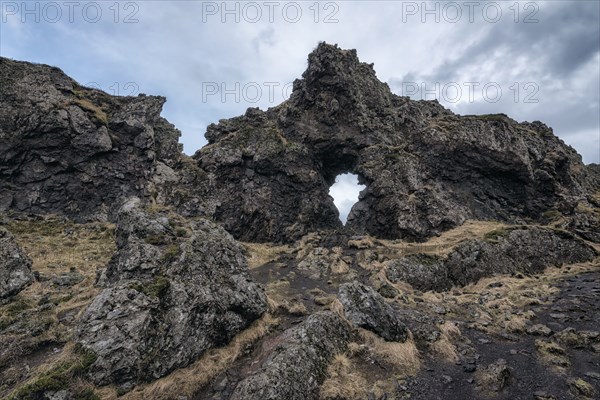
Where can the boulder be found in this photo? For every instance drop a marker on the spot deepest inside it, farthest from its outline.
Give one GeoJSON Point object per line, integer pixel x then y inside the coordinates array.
{"type": "Point", "coordinates": [15, 266]}
{"type": "Point", "coordinates": [298, 365]}
{"type": "Point", "coordinates": [173, 290]}
{"type": "Point", "coordinates": [365, 308]}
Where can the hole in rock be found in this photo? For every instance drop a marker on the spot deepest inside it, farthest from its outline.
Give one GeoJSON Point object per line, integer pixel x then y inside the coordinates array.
{"type": "Point", "coordinates": [345, 192]}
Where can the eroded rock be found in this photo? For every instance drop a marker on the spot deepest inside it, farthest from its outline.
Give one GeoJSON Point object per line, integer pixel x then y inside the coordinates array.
{"type": "Point", "coordinates": [426, 169]}
{"type": "Point", "coordinates": [173, 290]}
{"type": "Point", "coordinates": [77, 151]}
{"type": "Point", "coordinates": [365, 308]}
{"type": "Point", "coordinates": [295, 368]}
{"type": "Point", "coordinates": [511, 250]}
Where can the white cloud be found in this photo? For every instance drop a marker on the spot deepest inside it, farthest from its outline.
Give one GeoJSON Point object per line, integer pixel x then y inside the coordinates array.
{"type": "Point", "coordinates": [345, 193]}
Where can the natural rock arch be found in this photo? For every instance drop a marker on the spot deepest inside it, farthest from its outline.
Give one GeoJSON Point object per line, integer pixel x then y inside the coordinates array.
{"type": "Point", "coordinates": [426, 169]}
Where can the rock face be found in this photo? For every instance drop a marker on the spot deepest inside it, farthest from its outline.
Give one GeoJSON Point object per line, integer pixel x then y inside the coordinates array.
{"type": "Point", "coordinates": [365, 308]}
{"type": "Point", "coordinates": [528, 250]}
{"type": "Point", "coordinates": [265, 176]}
{"type": "Point", "coordinates": [425, 168]}
{"type": "Point", "coordinates": [295, 369]}
{"type": "Point", "coordinates": [77, 151]}
{"type": "Point", "coordinates": [15, 266]}
{"type": "Point", "coordinates": [173, 290]}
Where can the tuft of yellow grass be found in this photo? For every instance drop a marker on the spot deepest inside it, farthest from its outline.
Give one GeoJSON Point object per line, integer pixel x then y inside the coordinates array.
{"type": "Point", "coordinates": [403, 357]}
{"type": "Point", "coordinates": [343, 381]}
{"type": "Point", "coordinates": [444, 346]}
{"type": "Point", "coordinates": [259, 254]}
{"type": "Point", "coordinates": [515, 324]}
{"type": "Point", "coordinates": [337, 307]}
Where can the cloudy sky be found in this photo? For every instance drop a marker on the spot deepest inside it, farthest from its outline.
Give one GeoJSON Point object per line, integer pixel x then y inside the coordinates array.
{"type": "Point", "coordinates": [533, 60]}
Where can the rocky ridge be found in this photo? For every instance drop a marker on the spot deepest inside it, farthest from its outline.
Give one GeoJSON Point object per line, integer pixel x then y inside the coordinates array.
{"type": "Point", "coordinates": [426, 169]}
{"type": "Point", "coordinates": [77, 151]}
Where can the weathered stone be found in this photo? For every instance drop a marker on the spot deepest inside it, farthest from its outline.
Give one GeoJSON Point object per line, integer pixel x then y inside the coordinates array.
{"type": "Point", "coordinates": [511, 250]}
{"type": "Point", "coordinates": [15, 266]}
{"type": "Point", "coordinates": [295, 368]}
{"type": "Point", "coordinates": [365, 308]}
{"type": "Point", "coordinates": [426, 169]}
{"type": "Point", "coordinates": [68, 149]}
{"type": "Point", "coordinates": [495, 376]}
{"type": "Point", "coordinates": [579, 387]}
{"type": "Point", "coordinates": [164, 304]}
{"type": "Point", "coordinates": [539, 330]}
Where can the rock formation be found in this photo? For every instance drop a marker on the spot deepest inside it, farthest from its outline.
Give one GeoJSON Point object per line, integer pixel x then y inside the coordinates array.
{"type": "Point", "coordinates": [77, 151]}
{"type": "Point", "coordinates": [365, 308]}
{"type": "Point", "coordinates": [425, 168]}
{"type": "Point", "coordinates": [265, 175]}
{"type": "Point", "coordinates": [506, 251]}
{"type": "Point", "coordinates": [295, 369]}
{"type": "Point", "coordinates": [15, 266]}
{"type": "Point", "coordinates": [173, 290]}
{"type": "Point", "coordinates": [343, 314]}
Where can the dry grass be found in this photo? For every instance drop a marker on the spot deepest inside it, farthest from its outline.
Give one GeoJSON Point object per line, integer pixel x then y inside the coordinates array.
{"type": "Point", "coordinates": [189, 380]}
{"type": "Point", "coordinates": [56, 247]}
{"type": "Point", "coordinates": [403, 357]}
{"type": "Point", "coordinates": [450, 330]}
{"type": "Point", "coordinates": [96, 111]}
{"type": "Point", "coordinates": [443, 244]}
{"type": "Point", "coordinates": [343, 381]}
{"type": "Point", "coordinates": [516, 324]}
{"type": "Point", "coordinates": [337, 307]}
{"type": "Point", "coordinates": [297, 308]}
{"type": "Point", "coordinates": [280, 300]}
{"type": "Point", "coordinates": [552, 354]}
{"type": "Point", "coordinates": [259, 254]}
{"type": "Point", "coordinates": [498, 301]}
{"type": "Point", "coordinates": [61, 371]}
{"type": "Point", "coordinates": [444, 346]}
{"type": "Point", "coordinates": [365, 242]}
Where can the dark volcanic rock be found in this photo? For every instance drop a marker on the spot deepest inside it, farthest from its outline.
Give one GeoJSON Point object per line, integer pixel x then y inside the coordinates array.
{"type": "Point", "coordinates": [426, 169]}
{"type": "Point", "coordinates": [265, 176]}
{"type": "Point", "coordinates": [173, 290]}
{"type": "Point", "coordinates": [77, 151]}
{"type": "Point", "coordinates": [15, 266]}
{"type": "Point", "coordinates": [295, 369]}
{"type": "Point", "coordinates": [365, 308]}
{"type": "Point", "coordinates": [519, 249]}
{"type": "Point", "coordinates": [495, 376]}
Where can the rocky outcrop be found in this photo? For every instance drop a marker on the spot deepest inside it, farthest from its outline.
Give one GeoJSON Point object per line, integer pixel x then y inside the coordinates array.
{"type": "Point", "coordinates": [173, 290]}
{"type": "Point", "coordinates": [518, 249]}
{"type": "Point", "coordinates": [426, 169]}
{"type": "Point", "coordinates": [365, 308]}
{"type": "Point", "coordinates": [298, 365]}
{"type": "Point", "coordinates": [265, 176]}
{"type": "Point", "coordinates": [68, 149]}
{"type": "Point", "coordinates": [15, 266]}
